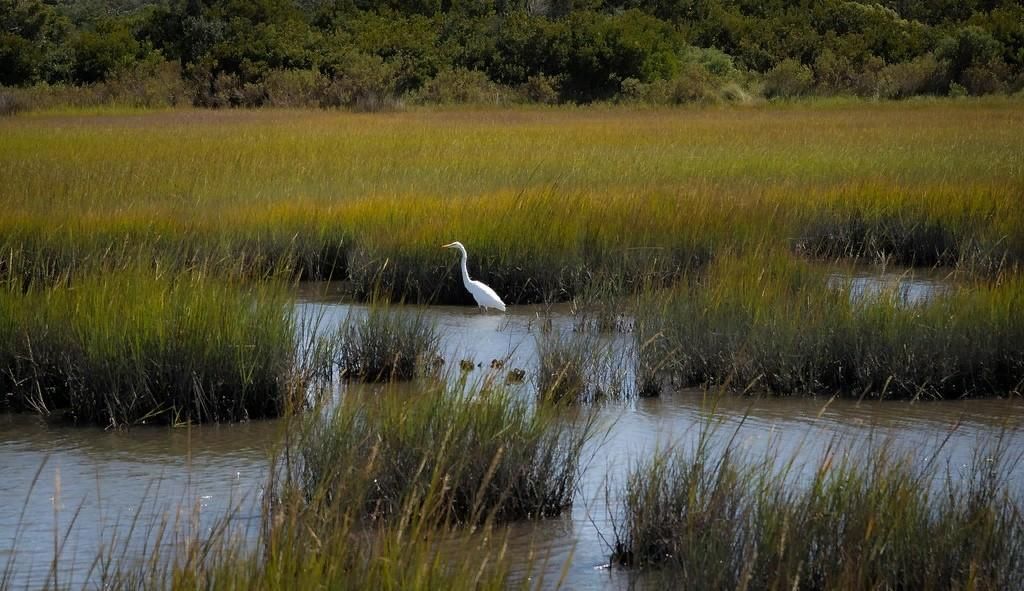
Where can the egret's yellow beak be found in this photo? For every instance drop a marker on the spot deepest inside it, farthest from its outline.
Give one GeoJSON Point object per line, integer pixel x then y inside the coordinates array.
{"type": "Point", "coordinates": [447, 245]}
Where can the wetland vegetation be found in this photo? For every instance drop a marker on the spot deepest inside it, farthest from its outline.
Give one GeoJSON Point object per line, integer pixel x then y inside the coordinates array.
{"type": "Point", "coordinates": [549, 201]}
{"type": "Point", "coordinates": [524, 463]}
{"type": "Point", "coordinates": [120, 348]}
{"type": "Point", "coordinates": [716, 518]}
{"type": "Point", "coordinates": [388, 345]}
{"type": "Point", "coordinates": [725, 218]}
{"type": "Point", "coordinates": [147, 261]}
{"type": "Point", "coordinates": [410, 489]}
{"type": "Point", "coordinates": [775, 324]}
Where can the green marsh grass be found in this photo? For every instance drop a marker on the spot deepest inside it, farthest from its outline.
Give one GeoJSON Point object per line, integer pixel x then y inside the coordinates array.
{"type": "Point", "coordinates": [477, 452]}
{"type": "Point", "coordinates": [121, 348]}
{"type": "Point", "coordinates": [774, 323]}
{"type": "Point", "coordinates": [387, 344]}
{"type": "Point", "coordinates": [564, 368]}
{"type": "Point", "coordinates": [712, 517]}
{"type": "Point", "coordinates": [579, 368]}
{"type": "Point", "coordinates": [546, 200]}
{"type": "Point", "coordinates": [378, 493]}
{"type": "Point", "coordinates": [375, 494]}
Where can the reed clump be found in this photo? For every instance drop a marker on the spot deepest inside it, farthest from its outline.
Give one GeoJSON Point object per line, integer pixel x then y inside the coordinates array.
{"type": "Point", "coordinates": [775, 324]}
{"type": "Point", "coordinates": [712, 518]}
{"type": "Point", "coordinates": [918, 226]}
{"type": "Point", "coordinates": [477, 453]}
{"type": "Point", "coordinates": [121, 348]}
{"type": "Point", "coordinates": [375, 495]}
{"type": "Point", "coordinates": [579, 368]}
{"type": "Point", "coordinates": [387, 345]}
{"type": "Point", "coordinates": [316, 531]}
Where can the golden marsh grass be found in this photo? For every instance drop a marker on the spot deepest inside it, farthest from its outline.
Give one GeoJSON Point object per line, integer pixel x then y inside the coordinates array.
{"type": "Point", "coordinates": [543, 198]}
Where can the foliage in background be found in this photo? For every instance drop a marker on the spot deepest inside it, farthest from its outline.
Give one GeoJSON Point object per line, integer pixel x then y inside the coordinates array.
{"type": "Point", "coordinates": [367, 55]}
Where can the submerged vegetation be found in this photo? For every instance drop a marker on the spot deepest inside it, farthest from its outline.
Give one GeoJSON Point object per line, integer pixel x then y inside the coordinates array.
{"type": "Point", "coordinates": [715, 518]}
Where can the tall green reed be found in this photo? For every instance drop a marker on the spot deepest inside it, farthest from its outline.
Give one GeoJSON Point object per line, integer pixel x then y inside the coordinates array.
{"type": "Point", "coordinates": [388, 344]}
{"type": "Point", "coordinates": [712, 516]}
{"type": "Point", "coordinates": [477, 451]}
{"type": "Point", "coordinates": [772, 323]}
{"type": "Point", "coordinates": [126, 347]}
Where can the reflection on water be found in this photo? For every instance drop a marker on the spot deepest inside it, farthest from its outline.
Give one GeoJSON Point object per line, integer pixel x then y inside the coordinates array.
{"type": "Point", "coordinates": [467, 334]}
{"type": "Point", "coordinates": [92, 484]}
{"type": "Point", "coordinates": [195, 475]}
{"type": "Point", "coordinates": [909, 287]}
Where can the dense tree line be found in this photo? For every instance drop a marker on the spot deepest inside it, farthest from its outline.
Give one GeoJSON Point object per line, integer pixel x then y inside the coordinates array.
{"type": "Point", "coordinates": [367, 52]}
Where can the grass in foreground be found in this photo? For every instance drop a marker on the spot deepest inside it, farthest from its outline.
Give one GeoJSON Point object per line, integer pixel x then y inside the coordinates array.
{"type": "Point", "coordinates": [378, 492]}
{"type": "Point", "coordinates": [372, 496]}
{"type": "Point", "coordinates": [714, 521]}
{"type": "Point", "coordinates": [478, 453]}
{"type": "Point", "coordinates": [311, 536]}
{"type": "Point", "coordinates": [774, 323]}
{"type": "Point", "coordinates": [117, 349]}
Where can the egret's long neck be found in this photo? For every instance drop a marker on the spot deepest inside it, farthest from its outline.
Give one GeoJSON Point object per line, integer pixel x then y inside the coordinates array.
{"type": "Point", "coordinates": [465, 270]}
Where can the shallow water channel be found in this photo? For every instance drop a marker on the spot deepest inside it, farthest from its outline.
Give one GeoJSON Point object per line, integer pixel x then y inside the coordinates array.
{"type": "Point", "coordinates": [94, 486]}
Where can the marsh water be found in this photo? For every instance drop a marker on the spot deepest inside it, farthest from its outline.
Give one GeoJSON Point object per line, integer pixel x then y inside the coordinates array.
{"type": "Point", "coordinates": [80, 490]}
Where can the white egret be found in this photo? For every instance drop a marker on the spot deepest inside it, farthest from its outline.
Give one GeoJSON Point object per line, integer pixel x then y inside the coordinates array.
{"type": "Point", "coordinates": [484, 295]}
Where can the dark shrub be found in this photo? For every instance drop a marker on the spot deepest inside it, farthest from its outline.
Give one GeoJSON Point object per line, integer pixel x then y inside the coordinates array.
{"type": "Point", "coordinates": [789, 79]}
{"type": "Point", "coordinates": [983, 79]}
{"type": "Point", "coordinates": [541, 89]}
{"type": "Point", "coordinates": [11, 103]}
{"type": "Point", "coordinates": [462, 86]}
{"type": "Point", "coordinates": [363, 82]}
{"type": "Point", "coordinates": [294, 88]}
{"type": "Point", "coordinates": [923, 75]}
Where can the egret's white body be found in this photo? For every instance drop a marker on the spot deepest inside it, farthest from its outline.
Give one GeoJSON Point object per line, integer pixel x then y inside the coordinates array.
{"type": "Point", "coordinates": [484, 295]}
